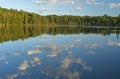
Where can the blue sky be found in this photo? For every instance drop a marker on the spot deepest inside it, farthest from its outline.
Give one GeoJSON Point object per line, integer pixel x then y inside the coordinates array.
{"type": "Point", "coordinates": [65, 7]}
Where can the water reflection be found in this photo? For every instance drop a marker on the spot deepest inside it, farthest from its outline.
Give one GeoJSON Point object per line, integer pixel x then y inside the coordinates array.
{"type": "Point", "coordinates": [71, 56]}
{"type": "Point", "coordinates": [113, 43]}
{"type": "Point", "coordinates": [23, 66]}
{"type": "Point", "coordinates": [33, 51]}
{"type": "Point", "coordinates": [24, 32]}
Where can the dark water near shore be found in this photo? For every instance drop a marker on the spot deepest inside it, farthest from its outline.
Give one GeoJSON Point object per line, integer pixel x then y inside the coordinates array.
{"type": "Point", "coordinates": [60, 53]}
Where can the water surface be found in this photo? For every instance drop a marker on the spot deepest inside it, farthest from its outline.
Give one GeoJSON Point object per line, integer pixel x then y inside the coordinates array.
{"type": "Point", "coordinates": [63, 53]}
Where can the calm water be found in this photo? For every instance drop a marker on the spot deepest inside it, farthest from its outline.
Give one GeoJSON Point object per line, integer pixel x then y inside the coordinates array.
{"type": "Point", "coordinates": [62, 56]}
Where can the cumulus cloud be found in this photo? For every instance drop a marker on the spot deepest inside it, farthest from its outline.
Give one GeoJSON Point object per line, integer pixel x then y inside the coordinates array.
{"type": "Point", "coordinates": [16, 54]}
{"type": "Point", "coordinates": [78, 9]}
{"type": "Point", "coordinates": [52, 49]}
{"type": "Point", "coordinates": [34, 51]}
{"type": "Point", "coordinates": [45, 2]}
{"type": "Point", "coordinates": [72, 75]}
{"type": "Point", "coordinates": [94, 2]}
{"type": "Point", "coordinates": [66, 46]}
{"type": "Point", "coordinates": [35, 61]}
{"type": "Point", "coordinates": [54, 2]}
{"type": "Point", "coordinates": [53, 46]}
{"type": "Point", "coordinates": [67, 1]}
{"type": "Point", "coordinates": [92, 45]}
{"type": "Point", "coordinates": [114, 5]}
{"type": "Point", "coordinates": [67, 61]}
{"type": "Point", "coordinates": [24, 65]}
{"type": "Point", "coordinates": [113, 43]}
{"type": "Point", "coordinates": [78, 60]}
{"type": "Point", "coordinates": [87, 68]}
{"type": "Point", "coordinates": [46, 47]}
{"type": "Point", "coordinates": [13, 76]}
{"type": "Point", "coordinates": [55, 52]}
{"type": "Point", "coordinates": [78, 39]}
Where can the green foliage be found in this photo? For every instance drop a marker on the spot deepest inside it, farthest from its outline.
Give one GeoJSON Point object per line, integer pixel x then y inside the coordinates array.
{"type": "Point", "coordinates": [10, 16]}
{"type": "Point", "coordinates": [16, 24]}
{"type": "Point", "coordinates": [104, 20]}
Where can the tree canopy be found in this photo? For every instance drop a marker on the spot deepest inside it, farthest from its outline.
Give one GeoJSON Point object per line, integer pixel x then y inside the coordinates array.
{"type": "Point", "coordinates": [11, 16]}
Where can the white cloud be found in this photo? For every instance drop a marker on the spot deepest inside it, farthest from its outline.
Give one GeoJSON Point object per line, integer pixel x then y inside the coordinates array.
{"type": "Point", "coordinates": [94, 45]}
{"type": "Point", "coordinates": [34, 51]}
{"type": "Point", "coordinates": [78, 9]}
{"type": "Point", "coordinates": [67, 1]}
{"type": "Point", "coordinates": [24, 65]}
{"type": "Point", "coordinates": [113, 43]}
{"type": "Point", "coordinates": [78, 39]}
{"type": "Point", "coordinates": [35, 61]}
{"type": "Point", "coordinates": [16, 54]}
{"type": "Point", "coordinates": [13, 76]}
{"type": "Point", "coordinates": [46, 47]}
{"type": "Point", "coordinates": [66, 46]}
{"type": "Point", "coordinates": [94, 2]}
{"type": "Point", "coordinates": [78, 60]}
{"type": "Point", "coordinates": [40, 2]}
{"type": "Point", "coordinates": [114, 5]}
{"type": "Point", "coordinates": [72, 75]}
{"type": "Point", "coordinates": [45, 2]}
{"type": "Point", "coordinates": [67, 61]}
{"type": "Point", "coordinates": [52, 49]}
{"type": "Point", "coordinates": [54, 2]}
{"type": "Point", "coordinates": [87, 68]}
{"type": "Point", "coordinates": [55, 52]}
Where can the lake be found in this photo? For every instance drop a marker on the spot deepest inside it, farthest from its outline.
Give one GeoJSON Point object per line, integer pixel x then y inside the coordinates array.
{"type": "Point", "coordinates": [60, 53]}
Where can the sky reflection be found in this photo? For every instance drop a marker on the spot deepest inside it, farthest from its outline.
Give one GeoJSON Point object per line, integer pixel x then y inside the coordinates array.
{"type": "Point", "coordinates": [59, 57]}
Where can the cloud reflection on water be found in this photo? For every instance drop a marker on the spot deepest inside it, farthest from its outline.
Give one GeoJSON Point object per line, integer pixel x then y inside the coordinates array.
{"type": "Point", "coordinates": [34, 51]}
{"type": "Point", "coordinates": [13, 76]}
{"type": "Point", "coordinates": [110, 42]}
{"type": "Point", "coordinates": [2, 57]}
{"type": "Point", "coordinates": [35, 61]}
{"type": "Point", "coordinates": [24, 65]}
{"type": "Point", "coordinates": [68, 58]}
{"type": "Point", "coordinates": [92, 45]}
{"type": "Point", "coordinates": [72, 75]}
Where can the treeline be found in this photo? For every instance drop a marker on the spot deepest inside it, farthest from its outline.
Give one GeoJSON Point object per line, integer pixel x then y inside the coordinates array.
{"type": "Point", "coordinates": [10, 16]}
{"type": "Point", "coordinates": [104, 20]}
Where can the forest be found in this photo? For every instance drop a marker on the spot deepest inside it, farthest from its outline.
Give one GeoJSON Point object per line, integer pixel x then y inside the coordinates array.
{"type": "Point", "coordinates": [11, 16]}
{"type": "Point", "coordinates": [20, 24]}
